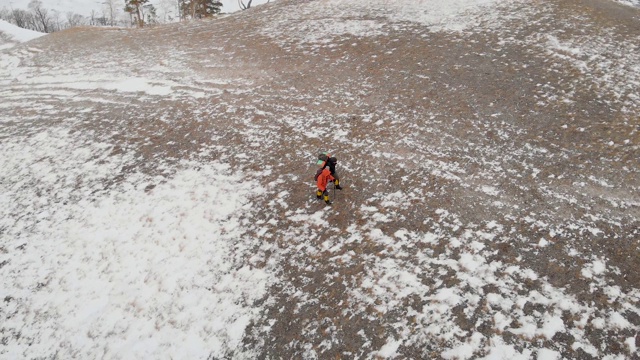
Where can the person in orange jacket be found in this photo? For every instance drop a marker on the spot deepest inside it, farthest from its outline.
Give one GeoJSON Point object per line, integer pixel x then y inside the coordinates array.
{"type": "Point", "coordinates": [323, 176]}
{"type": "Point", "coordinates": [326, 160]}
{"type": "Point", "coordinates": [326, 173]}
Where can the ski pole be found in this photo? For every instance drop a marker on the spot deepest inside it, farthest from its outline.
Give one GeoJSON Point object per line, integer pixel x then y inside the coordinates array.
{"type": "Point", "coordinates": [334, 191]}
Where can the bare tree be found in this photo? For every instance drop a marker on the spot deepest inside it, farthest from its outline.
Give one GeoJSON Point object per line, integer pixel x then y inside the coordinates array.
{"type": "Point", "coordinates": [21, 18]}
{"type": "Point", "coordinates": [92, 18]}
{"type": "Point", "coordinates": [244, 6]}
{"type": "Point", "coordinates": [56, 23]}
{"type": "Point", "coordinates": [5, 14]}
{"type": "Point", "coordinates": [152, 16]}
{"type": "Point", "coordinates": [42, 21]}
{"type": "Point", "coordinates": [167, 7]}
{"type": "Point", "coordinates": [111, 10]}
{"type": "Point", "coordinates": [74, 19]}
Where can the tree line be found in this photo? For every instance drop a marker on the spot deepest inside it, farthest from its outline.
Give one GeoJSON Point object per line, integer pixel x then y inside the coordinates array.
{"type": "Point", "coordinates": [114, 13]}
{"type": "Point", "coordinates": [37, 18]}
{"type": "Point", "coordinates": [187, 9]}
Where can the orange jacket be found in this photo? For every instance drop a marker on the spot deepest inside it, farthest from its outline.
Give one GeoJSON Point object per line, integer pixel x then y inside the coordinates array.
{"type": "Point", "coordinates": [324, 178]}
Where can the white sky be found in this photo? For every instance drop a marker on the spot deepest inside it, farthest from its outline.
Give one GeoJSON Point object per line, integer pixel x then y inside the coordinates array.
{"type": "Point", "coordinates": [84, 7]}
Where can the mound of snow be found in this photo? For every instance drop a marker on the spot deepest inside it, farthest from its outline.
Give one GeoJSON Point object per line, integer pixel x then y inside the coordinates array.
{"type": "Point", "coordinates": [17, 34]}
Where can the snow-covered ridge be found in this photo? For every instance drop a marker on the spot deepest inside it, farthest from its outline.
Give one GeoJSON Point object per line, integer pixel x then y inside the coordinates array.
{"type": "Point", "coordinates": [322, 20]}
{"type": "Point", "coordinates": [12, 33]}
{"type": "Point", "coordinates": [635, 3]}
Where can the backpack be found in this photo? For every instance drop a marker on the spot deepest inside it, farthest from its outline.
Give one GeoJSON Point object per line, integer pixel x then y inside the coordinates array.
{"type": "Point", "coordinates": [322, 163]}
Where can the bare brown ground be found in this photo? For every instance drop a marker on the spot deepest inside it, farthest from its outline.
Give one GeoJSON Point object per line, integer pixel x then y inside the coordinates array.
{"type": "Point", "coordinates": [465, 81]}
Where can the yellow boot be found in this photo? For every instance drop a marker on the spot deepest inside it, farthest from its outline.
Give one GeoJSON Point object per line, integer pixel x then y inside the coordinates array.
{"type": "Point", "coordinates": [319, 194]}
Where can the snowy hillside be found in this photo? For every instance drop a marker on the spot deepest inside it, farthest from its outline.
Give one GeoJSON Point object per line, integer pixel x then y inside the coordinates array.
{"type": "Point", "coordinates": [11, 34]}
{"type": "Point", "coordinates": [635, 3]}
{"type": "Point", "coordinates": [157, 195]}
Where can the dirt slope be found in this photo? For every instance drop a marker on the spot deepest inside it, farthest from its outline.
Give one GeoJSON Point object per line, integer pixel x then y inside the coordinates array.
{"type": "Point", "coordinates": [489, 172]}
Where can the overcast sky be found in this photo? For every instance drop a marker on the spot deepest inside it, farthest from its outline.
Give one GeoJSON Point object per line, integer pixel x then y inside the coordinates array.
{"type": "Point", "coordinates": [84, 7]}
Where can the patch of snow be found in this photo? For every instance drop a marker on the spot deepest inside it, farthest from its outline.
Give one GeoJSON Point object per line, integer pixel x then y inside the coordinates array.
{"type": "Point", "coordinates": [551, 326]}
{"type": "Point", "coordinates": [635, 3]}
{"type": "Point", "coordinates": [548, 354]}
{"type": "Point", "coordinates": [490, 190]}
{"type": "Point", "coordinates": [598, 267]}
{"type": "Point", "coordinates": [389, 350]}
{"type": "Point", "coordinates": [149, 273]}
{"type": "Point", "coordinates": [466, 349]}
{"type": "Point", "coordinates": [307, 22]}
{"type": "Point", "coordinates": [501, 351]}
{"type": "Point", "coordinates": [17, 33]}
{"type": "Point", "coordinates": [631, 344]}
{"type": "Point", "coordinates": [588, 348]}
{"type": "Point", "coordinates": [617, 321]}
